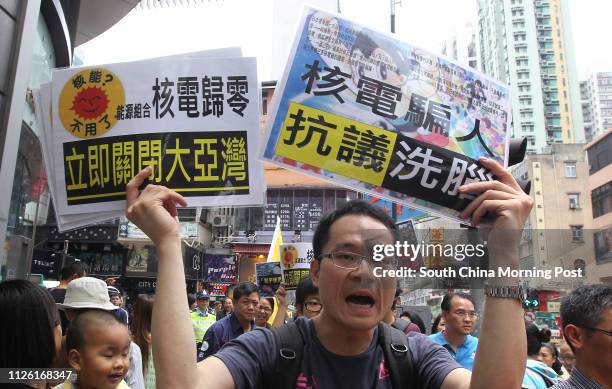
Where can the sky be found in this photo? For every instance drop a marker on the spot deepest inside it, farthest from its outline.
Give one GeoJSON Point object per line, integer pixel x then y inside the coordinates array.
{"type": "Point", "coordinates": [265, 29]}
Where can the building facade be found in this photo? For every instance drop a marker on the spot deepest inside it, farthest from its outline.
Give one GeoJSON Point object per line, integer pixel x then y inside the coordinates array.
{"type": "Point", "coordinates": [599, 153]}
{"type": "Point", "coordinates": [558, 231]}
{"type": "Point", "coordinates": [596, 96]}
{"type": "Point", "coordinates": [36, 36]}
{"type": "Point", "coordinates": [463, 46]}
{"type": "Point", "coordinates": [528, 45]}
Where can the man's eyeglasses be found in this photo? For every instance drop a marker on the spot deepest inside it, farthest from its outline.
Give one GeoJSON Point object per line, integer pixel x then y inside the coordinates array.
{"type": "Point", "coordinates": [313, 306]}
{"type": "Point", "coordinates": [462, 313]}
{"type": "Point", "coordinates": [352, 261]}
{"type": "Point", "coordinates": [609, 333]}
{"type": "Point", "coordinates": [567, 358]}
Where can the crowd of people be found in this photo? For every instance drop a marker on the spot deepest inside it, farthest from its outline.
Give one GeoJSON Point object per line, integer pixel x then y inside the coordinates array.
{"type": "Point", "coordinates": [345, 333]}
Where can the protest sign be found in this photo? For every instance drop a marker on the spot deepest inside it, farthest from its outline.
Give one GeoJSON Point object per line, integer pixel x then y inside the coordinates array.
{"type": "Point", "coordinates": [150, 107]}
{"type": "Point", "coordinates": [268, 277]}
{"type": "Point", "coordinates": [369, 112]}
{"type": "Point", "coordinates": [295, 263]}
{"type": "Point", "coordinates": [220, 268]}
{"type": "Point", "coordinates": [398, 211]}
{"type": "Point", "coordinates": [194, 124]}
{"type": "Point", "coordinates": [42, 100]}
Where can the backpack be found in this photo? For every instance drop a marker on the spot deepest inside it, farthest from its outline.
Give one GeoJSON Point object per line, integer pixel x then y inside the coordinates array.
{"type": "Point", "coordinates": [290, 347]}
{"type": "Point", "coordinates": [401, 324]}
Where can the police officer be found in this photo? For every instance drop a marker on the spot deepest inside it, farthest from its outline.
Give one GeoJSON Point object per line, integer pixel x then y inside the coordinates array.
{"type": "Point", "coordinates": [201, 317]}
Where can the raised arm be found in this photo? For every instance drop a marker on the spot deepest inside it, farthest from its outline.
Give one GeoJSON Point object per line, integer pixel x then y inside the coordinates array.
{"type": "Point", "coordinates": [502, 347]}
{"type": "Point", "coordinates": [281, 301]}
{"type": "Point", "coordinates": [154, 212]}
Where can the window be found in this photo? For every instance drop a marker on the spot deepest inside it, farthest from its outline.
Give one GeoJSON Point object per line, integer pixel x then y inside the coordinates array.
{"type": "Point", "coordinates": [577, 234]}
{"type": "Point", "coordinates": [570, 169]}
{"type": "Point", "coordinates": [601, 200]}
{"type": "Point", "coordinates": [574, 200]}
{"type": "Point", "coordinates": [600, 154]}
{"type": "Point", "coordinates": [603, 245]}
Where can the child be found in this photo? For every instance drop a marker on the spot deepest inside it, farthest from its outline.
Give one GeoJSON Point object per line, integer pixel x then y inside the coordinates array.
{"type": "Point", "coordinates": [98, 350]}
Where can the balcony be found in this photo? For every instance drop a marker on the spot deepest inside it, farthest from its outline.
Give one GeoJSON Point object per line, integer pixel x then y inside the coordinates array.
{"type": "Point", "coordinates": [546, 39]}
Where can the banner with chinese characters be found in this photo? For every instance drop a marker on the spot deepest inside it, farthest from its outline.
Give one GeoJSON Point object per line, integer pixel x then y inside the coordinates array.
{"type": "Point", "coordinates": [268, 277]}
{"type": "Point", "coordinates": [295, 263]}
{"type": "Point", "coordinates": [194, 120]}
{"type": "Point", "coordinates": [364, 110]}
{"type": "Point", "coordinates": [44, 102]}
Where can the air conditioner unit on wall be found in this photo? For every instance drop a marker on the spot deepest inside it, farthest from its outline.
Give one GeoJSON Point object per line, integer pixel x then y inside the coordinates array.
{"type": "Point", "coordinates": [220, 221]}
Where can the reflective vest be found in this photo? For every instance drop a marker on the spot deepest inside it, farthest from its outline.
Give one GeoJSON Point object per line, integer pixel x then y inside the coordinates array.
{"type": "Point", "coordinates": [201, 324]}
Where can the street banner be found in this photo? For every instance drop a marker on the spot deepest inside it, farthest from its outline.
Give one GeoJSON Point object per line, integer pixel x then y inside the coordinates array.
{"type": "Point", "coordinates": [129, 231]}
{"type": "Point", "coordinates": [295, 263]}
{"type": "Point", "coordinates": [268, 277]}
{"type": "Point", "coordinates": [366, 111]}
{"type": "Point", "coordinates": [216, 289]}
{"type": "Point", "coordinates": [220, 268]}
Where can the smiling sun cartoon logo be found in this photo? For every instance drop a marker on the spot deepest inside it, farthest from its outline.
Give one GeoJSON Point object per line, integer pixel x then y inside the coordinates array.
{"type": "Point", "coordinates": [88, 102]}
{"type": "Point", "coordinates": [288, 256]}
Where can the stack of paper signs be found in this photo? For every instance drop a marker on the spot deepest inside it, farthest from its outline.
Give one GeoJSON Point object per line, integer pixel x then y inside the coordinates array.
{"type": "Point", "coordinates": [366, 111]}
{"type": "Point", "coordinates": [194, 118]}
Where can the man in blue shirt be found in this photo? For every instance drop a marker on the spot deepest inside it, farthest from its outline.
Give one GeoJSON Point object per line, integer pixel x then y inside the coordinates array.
{"type": "Point", "coordinates": [246, 298]}
{"type": "Point", "coordinates": [460, 316]}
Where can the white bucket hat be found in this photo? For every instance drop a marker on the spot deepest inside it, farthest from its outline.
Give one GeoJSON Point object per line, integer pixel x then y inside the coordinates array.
{"type": "Point", "coordinates": [87, 292]}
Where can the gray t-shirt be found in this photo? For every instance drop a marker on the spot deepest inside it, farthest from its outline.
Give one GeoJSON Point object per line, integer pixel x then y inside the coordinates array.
{"type": "Point", "coordinates": [253, 355]}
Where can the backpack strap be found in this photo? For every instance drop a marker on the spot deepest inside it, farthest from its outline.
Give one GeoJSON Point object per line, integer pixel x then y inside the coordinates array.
{"type": "Point", "coordinates": [289, 348]}
{"type": "Point", "coordinates": [397, 356]}
{"type": "Point", "coordinates": [401, 324]}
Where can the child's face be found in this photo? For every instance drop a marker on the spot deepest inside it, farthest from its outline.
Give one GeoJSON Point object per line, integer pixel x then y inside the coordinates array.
{"type": "Point", "coordinates": [104, 360]}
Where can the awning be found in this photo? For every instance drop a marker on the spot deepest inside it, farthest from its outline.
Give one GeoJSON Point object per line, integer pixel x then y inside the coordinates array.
{"type": "Point", "coordinates": [251, 248]}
